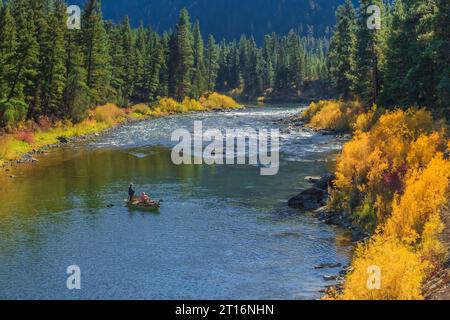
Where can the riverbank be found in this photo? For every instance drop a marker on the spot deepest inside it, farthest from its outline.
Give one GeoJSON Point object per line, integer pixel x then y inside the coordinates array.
{"type": "Point", "coordinates": [25, 141]}
{"type": "Point", "coordinates": [392, 182]}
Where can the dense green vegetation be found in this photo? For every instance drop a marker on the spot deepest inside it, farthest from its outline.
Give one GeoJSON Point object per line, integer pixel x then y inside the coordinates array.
{"type": "Point", "coordinates": [405, 63]}
{"type": "Point", "coordinates": [51, 71]}
{"type": "Point", "coordinates": [48, 70]}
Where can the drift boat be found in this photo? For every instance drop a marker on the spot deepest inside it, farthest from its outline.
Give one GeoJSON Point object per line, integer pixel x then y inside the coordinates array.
{"type": "Point", "coordinates": [152, 206]}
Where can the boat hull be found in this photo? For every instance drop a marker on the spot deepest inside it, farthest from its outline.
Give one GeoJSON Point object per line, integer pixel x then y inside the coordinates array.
{"type": "Point", "coordinates": [147, 208]}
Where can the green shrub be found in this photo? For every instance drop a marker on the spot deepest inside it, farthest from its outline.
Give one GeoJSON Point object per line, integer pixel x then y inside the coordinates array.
{"type": "Point", "coordinates": [12, 111]}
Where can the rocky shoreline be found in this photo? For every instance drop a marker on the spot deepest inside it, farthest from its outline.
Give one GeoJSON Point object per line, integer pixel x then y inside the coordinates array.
{"type": "Point", "coordinates": [314, 200]}
{"type": "Point", "coordinates": [30, 157]}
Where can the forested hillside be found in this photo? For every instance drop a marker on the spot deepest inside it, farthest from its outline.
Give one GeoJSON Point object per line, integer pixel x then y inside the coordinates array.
{"type": "Point", "coordinates": [48, 70]}
{"type": "Point", "coordinates": [228, 19]}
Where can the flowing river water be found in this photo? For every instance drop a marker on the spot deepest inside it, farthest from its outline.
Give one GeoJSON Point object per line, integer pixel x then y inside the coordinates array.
{"type": "Point", "coordinates": [223, 232]}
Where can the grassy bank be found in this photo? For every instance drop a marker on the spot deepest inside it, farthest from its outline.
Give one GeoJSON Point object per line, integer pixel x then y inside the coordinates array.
{"type": "Point", "coordinates": [394, 179]}
{"type": "Point", "coordinates": [29, 136]}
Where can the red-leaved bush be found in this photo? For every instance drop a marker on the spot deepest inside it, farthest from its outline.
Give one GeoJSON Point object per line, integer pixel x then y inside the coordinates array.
{"type": "Point", "coordinates": [44, 123]}
{"type": "Point", "coordinates": [25, 136]}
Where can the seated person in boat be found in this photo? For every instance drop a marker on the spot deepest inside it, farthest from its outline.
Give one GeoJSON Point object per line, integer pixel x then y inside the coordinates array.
{"type": "Point", "coordinates": [144, 199]}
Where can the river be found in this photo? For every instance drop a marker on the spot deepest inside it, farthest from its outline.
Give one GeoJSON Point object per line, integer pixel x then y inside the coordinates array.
{"type": "Point", "coordinates": [223, 232]}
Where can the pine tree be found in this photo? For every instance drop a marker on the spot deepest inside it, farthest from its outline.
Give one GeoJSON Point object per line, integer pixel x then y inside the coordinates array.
{"type": "Point", "coordinates": [420, 79]}
{"type": "Point", "coordinates": [164, 76]}
{"type": "Point", "coordinates": [343, 49]}
{"type": "Point", "coordinates": [398, 61]}
{"type": "Point", "coordinates": [295, 59]}
{"type": "Point", "coordinates": [183, 56]}
{"type": "Point", "coordinates": [141, 50]}
{"type": "Point", "coordinates": [370, 52]}
{"type": "Point", "coordinates": [25, 61]}
{"type": "Point", "coordinates": [198, 78]}
{"type": "Point", "coordinates": [442, 43]}
{"type": "Point", "coordinates": [118, 63]}
{"type": "Point", "coordinates": [212, 63]}
{"type": "Point", "coordinates": [53, 70]}
{"type": "Point", "coordinates": [268, 52]}
{"type": "Point", "coordinates": [129, 61]}
{"type": "Point", "coordinates": [156, 64]}
{"type": "Point", "coordinates": [96, 54]}
{"type": "Point", "coordinates": [8, 46]}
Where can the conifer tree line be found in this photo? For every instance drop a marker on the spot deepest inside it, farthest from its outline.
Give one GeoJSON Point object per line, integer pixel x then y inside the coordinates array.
{"type": "Point", "coordinates": [48, 70]}
{"type": "Point", "coordinates": [405, 63]}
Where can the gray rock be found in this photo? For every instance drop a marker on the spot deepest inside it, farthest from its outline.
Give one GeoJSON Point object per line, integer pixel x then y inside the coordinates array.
{"type": "Point", "coordinates": [359, 234]}
{"type": "Point", "coordinates": [325, 182]}
{"type": "Point", "coordinates": [310, 199]}
{"type": "Point", "coordinates": [62, 140]}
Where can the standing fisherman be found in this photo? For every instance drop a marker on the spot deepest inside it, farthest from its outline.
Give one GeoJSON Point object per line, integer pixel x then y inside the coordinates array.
{"type": "Point", "coordinates": [131, 192]}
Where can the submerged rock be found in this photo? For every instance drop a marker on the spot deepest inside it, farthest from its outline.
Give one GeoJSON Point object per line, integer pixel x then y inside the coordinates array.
{"type": "Point", "coordinates": [332, 278]}
{"type": "Point", "coordinates": [310, 179]}
{"type": "Point", "coordinates": [328, 266]}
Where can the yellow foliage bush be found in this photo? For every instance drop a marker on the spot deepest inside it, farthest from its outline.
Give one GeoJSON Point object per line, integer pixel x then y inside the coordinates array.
{"type": "Point", "coordinates": [395, 166]}
{"type": "Point", "coordinates": [402, 272]}
{"type": "Point", "coordinates": [314, 108]}
{"type": "Point", "coordinates": [377, 162]}
{"type": "Point", "coordinates": [332, 114]}
{"type": "Point", "coordinates": [109, 114]}
{"type": "Point", "coordinates": [193, 105]}
{"type": "Point", "coordinates": [6, 146]}
{"type": "Point", "coordinates": [141, 109]}
{"type": "Point", "coordinates": [218, 101]}
{"type": "Point", "coordinates": [169, 106]}
{"type": "Point", "coordinates": [209, 102]}
{"type": "Point", "coordinates": [419, 208]}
